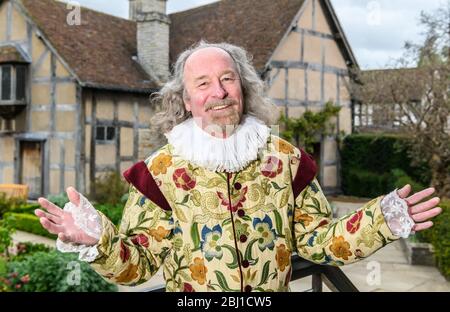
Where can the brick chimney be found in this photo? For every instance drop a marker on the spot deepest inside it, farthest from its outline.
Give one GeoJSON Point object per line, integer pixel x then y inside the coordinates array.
{"type": "Point", "coordinates": [152, 36]}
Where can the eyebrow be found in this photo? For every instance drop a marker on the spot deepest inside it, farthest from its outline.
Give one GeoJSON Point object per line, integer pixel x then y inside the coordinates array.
{"type": "Point", "coordinates": [228, 71]}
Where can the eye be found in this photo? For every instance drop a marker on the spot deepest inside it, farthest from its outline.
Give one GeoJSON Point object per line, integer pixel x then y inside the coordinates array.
{"type": "Point", "coordinates": [227, 79]}
{"type": "Point", "coordinates": [202, 84]}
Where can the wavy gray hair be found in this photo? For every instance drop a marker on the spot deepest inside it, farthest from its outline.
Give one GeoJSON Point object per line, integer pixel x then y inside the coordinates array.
{"type": "Point", "coordinates": [170, 98]}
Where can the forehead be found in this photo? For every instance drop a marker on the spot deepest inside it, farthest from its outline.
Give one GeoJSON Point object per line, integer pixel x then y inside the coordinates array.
{"type": "Point", "coordinates": [206, 60]}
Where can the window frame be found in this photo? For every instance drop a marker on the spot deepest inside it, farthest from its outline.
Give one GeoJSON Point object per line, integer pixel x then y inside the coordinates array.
{"type": "Point", "coordinates": [13, 85]}
{"type": "Point", "coordinates": [105, 134]}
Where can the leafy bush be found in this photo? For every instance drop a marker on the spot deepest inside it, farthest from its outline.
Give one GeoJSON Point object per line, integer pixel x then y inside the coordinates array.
{"type": "Point", "coordinates": [8, 203]}
{"type": "Point", "coordinates": [26, 249]}
{"type": "Point", "coordinates": [399, 178]}
{"type": "Point", "coordinates": [25, 208]}
{"type": "Point", "coordinates": [379, 163]}
{"type": "Point", "coordinates": [364, 183]}
{"type": "Point", "coordinates": [109, 188]}
{"type": "Point", "coordinates": [439, 236]}
{"type": "Point", "coordinates": [6, 232]}
{"type": "Point", "coordinates": [59, 200]}
{"type": "Point", "coordinates": [113, 212]}
{"type": "Point", "coordinates": [55, 272]}
{"type": "Point", "coordinates": [28, 223]}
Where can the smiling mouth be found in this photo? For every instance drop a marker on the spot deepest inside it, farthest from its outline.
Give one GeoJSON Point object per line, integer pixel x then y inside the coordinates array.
{"type": "Point", "coordinates": [216, 108]}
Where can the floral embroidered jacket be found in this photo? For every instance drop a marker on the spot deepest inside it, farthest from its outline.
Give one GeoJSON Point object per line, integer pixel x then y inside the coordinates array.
{"type": "Point", "coordinates": [215, 231]}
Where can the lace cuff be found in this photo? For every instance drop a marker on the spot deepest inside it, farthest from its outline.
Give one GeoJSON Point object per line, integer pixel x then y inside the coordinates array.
{"type": "Point", "coordinates": [395, 211]}
{"type": "Point", "coordinates": [89, 221]}
{"type": "Point", "coordinates": [85, 253]}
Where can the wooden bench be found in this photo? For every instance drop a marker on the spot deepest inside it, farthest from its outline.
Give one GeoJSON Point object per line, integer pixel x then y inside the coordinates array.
{"type": "Point", "coordinates": [15, 190]}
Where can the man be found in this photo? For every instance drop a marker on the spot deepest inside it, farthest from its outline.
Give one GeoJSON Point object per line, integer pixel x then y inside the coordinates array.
{"type": "Point", "coordinates": [225, 203]}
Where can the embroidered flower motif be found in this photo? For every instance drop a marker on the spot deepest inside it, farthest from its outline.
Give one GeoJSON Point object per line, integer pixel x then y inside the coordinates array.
{"type": "Point", "coordinates": [271, 167]}
{"type": "Point", "coordinates": [159, 234]}
{"type": "Point", "coordinates": [240, 228]}
{"type": "Point", "coordinates": [265, 233]}
{"type": "Point", "coordinates": [210, 242]}
{"type": "Point", "coordinates": [303, 218]}
{"type": "Point", "coordinates": [124, 252]}
{"type": "Point", "coordinates": [160, 164]}
{"type": "Point", "coordinates": [366, 236]}
{"type": "Point", "coordinates": [141, 240]}
{"type": "Point", "coordinates": [188, 287]}
{"type": "Point", "coordinates": [354, 222]}
{"type": "Point", "coordinates": [283, 146]}
{"type": "Point", "coordinates": [129, 274]}
{"type": "Point", "coordinates": [340, 248]}
{"type": "Point", "coordinates": [236, 199]}
{"type": "Point", "coordinates": [183, 179]}
{"type": "Point", "coordinates": [198, 270]}
{"type": "Point", "coordinates": [283, 257]}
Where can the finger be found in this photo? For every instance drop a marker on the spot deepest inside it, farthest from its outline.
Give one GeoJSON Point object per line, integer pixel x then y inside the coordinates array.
{"type": "Point", "coordinates": [42, 214]}
{"type": "Point", "coordinates": [404, 191]}
{"type": "Point", "coordinates": [50, 226]}
{"type": "Point", "coordinates": [425, 205]}
{"type": "Point", "coordinates": [417, 197]}
{"type": "Point", "coordinates": [50, 207]}
{"type": "Point", "coordinates": [423, 216]}
{"type": "Point", "coordinates": [63, 237]}
{"type": "Point", "coordinates": [73, 195]}
{"type": "Point", "coordinates": [422, 226]}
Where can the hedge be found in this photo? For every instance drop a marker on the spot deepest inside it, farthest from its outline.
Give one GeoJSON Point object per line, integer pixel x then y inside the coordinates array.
{"type": "Point", "coordinates": [439, 236]}
{"type": "Point", "coordinates": [372, 164]}
{"type": "Point", "coordinates": [27, 223]}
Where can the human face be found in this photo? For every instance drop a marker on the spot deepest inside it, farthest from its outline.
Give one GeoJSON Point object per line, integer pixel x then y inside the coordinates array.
{"type": "Point", "coordinates": [213, 92]}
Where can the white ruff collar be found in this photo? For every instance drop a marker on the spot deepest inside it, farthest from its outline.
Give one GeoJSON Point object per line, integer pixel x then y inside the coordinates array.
{"type": "Point", "coordinates": [231, 154]}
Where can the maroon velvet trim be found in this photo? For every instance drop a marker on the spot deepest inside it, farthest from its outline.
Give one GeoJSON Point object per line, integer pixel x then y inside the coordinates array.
{"type": "Point", "coordinates": [305, 173]}
{"type": "Point", "coordinates": [139, 176]}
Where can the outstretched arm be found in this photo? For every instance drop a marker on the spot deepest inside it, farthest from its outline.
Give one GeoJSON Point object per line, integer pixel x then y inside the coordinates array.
{"type": "Point", "coordinates": [353, 237]}
{"type": "Point", "coordinates": [128, 256]}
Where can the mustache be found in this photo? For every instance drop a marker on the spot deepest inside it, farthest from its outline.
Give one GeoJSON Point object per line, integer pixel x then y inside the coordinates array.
{"type": "Point", "coordinates": [211, 105]}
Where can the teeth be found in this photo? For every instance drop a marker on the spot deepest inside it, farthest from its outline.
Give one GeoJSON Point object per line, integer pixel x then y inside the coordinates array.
{"type": "Point", "coordinates": [219, 107]}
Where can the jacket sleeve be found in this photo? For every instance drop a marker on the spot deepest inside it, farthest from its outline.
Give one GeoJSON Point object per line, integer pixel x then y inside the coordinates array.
{"type": "Point", "coordinates": [133, 253]}
{"type": "Point", "coordinates": [353, 237]}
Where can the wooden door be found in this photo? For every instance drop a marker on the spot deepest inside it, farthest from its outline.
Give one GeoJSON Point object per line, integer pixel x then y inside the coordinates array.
{"type": "Point", "coordinates": [31, 167]}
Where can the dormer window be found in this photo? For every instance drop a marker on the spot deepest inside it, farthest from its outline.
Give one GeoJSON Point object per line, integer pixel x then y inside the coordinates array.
{"type": "Point", "coordinates": [13, 83]}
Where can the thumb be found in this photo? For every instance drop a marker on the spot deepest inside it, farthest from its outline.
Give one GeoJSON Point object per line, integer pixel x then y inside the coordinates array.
{"type": "Point", "coordinates": [404, 191]}
{"type": "Point", "coordinates": [73, 195]}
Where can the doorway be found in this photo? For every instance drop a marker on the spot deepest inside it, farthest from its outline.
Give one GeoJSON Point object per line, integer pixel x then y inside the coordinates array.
{"type": "Point", "coordinates": [31, 167]}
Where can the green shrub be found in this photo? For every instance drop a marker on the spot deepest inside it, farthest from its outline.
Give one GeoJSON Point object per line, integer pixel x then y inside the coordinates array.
{"type": "Point", "coordinates": [27, 223]}
{"type": "Point", "coordinates": [57, 272]}
{"type": "Point", "coordinates": [364, 183]}
{"type": "Point", "coordinates": [8, 203]}
{"type": "Point", "coordinates": [6, 232]}
{"type": "Point", "coordinates": [25, 208]}
{"type": "Point", "coordinates": [399, 178]}
{"type": "Point", "coordinates": [26, 249]}
{"type": "Point", "coordinates": [439, 236]}
{"type": "Point", "coordinates": [379, 163]}
{"type": "Point", "coordinates": [109, 188]}
{"type": "Point", "coordinates": [59, 200]}
{"type": "Point", "coordinates": [113, 212]}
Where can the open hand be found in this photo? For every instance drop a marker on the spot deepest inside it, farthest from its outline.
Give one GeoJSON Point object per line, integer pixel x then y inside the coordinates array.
{"type": "Point", "coordinates": [420, 212]}
{"type": "Point", "coordinates": [57, 221]}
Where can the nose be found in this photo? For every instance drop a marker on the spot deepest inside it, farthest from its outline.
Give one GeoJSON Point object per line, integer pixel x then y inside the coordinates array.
{"type": "Point", "coordinates": [219, 91]}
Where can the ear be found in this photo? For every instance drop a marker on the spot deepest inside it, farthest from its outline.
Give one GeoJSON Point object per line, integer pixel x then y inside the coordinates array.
{"type": "Point", "coordinates": [187, 105]}
{"type": "Point", "coordinates": [186, 100]}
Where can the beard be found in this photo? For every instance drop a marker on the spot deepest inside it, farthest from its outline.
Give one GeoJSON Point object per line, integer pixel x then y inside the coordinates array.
{"type": "Point", "coordinates": [227, 119]}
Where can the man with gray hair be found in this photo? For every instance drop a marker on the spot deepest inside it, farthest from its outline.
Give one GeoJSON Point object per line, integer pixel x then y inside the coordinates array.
{"type": "Point", "coordinates": [223, 205]}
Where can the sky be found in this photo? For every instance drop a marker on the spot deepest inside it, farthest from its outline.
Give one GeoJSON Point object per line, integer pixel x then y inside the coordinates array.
{"type": "Point", "coordinates": [375, 29]}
